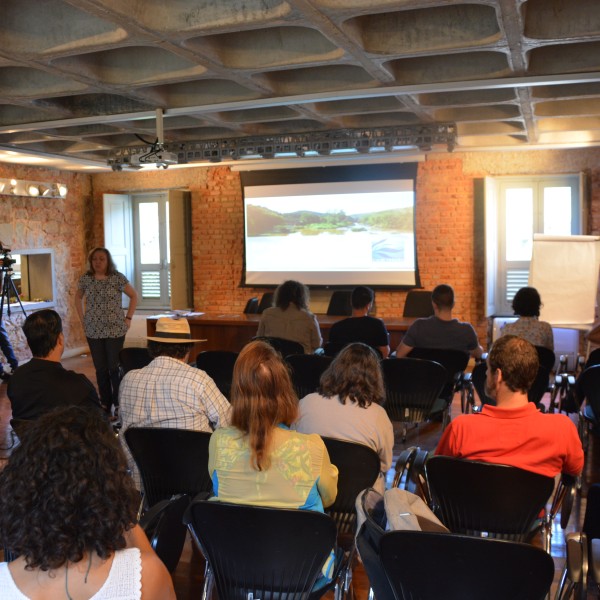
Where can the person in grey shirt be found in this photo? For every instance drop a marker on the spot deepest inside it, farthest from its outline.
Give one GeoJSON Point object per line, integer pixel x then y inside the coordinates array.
{"type": "Point", "coordinates": [441, 330]}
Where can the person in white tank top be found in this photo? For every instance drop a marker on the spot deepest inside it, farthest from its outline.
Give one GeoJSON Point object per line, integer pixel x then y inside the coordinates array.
{"type": "Point", "coordinates": [67, 511]}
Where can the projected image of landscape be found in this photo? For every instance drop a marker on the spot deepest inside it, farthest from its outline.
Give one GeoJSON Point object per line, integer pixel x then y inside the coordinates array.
{"type": "Point", "coordinates": [363, 230]}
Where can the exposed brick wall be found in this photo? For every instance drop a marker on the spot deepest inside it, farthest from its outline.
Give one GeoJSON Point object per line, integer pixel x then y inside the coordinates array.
{"type": "Point", "coordinates": [449, 247]}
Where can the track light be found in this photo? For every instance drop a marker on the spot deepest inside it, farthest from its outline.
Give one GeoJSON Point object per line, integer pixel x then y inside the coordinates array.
{"type": "Point", "coordinates": [32, 189]}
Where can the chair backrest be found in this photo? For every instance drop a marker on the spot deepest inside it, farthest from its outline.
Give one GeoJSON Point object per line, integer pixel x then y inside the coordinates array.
{"type": "Point", "coordinates": [170, 461]}
{"type": "Point", "coordinates": [358, 467]}
{"type": "Point", "coordinates": [284, 347]}
{"type": "Point", "coordinates": [412, 385]}
{"type": "Point", "coordinates": [541, 382]}
{"type": "Point", "coordinates": [546, 357]}
{"type": "Point", "coordinates": [429, 566]}
{"type": "Point", "coordinates": [164, 527]}
{"type": "Point", "coordinates": [332, 349]}
{"type": "Point", "coordinates": [473, 497]}
{"type": "Point", "coordinates": [266, 301]}
{"type": "Point", "coordinates": [262, 553]}
{"type": "Point", "coordinates": [454, 361]}
{"type": "Point", "coordinates": [591, 521]}
{"type": "Point", "coordinates": [593, 358]}
{"type": "Point", "coordinates": [418, 304]}
{"type": "Point", "coordinates": [340, 303]}
{"type": "Point", "coordinates": [478, 377]}
{"type": "Point", "coordinates": [218, 365]}
{"type": "Point", "coordinates": [251, 306]}
{"type": "Point", "coordinates": [133, 358]}
{"type": "Point", "coordinates": [589, 383]}
{"type": "Point", "coordinates": [306, 371]}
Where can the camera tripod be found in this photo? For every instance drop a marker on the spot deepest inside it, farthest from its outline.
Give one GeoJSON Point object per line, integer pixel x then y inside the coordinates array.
{"type": "Point", "coordinates": [8, 289]}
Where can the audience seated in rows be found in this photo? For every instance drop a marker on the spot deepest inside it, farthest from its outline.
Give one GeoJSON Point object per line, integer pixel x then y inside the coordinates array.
{"type": "Point", "coordinates": [360, 327]}
{"type": "Point", "coordinates": [169, 392]}
{"type": "Point", "coordinates": [441, 330]}
{"type": "Point", "coordinates": [514, 432]}
{"type": "Point", "coordinates": [348, 405]}
{"type": "Point", "coordinates": [290, 318]}
{"type": "Point", "coordinates": [68, 510]}
{"type": "Point", "coordinates": [42, 384]}
{"type": "Point", "coordinates": [526, 305]}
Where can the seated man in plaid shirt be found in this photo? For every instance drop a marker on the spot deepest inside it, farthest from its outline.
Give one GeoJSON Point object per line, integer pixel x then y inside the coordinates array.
{"type": "Point", "coordinates": [169, 392]}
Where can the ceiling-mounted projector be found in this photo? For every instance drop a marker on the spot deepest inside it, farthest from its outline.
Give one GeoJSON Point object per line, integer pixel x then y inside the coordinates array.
{"type": "Point", "coordinates": [160, 158]}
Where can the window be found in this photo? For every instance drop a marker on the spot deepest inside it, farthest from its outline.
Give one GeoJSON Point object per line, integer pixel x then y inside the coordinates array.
{"type": "Point", "coordinates": [149, 238]}
{"type": "Point", "coordinates": [151, 246]}
{"type": "Point", "coordinates": [516, 208]}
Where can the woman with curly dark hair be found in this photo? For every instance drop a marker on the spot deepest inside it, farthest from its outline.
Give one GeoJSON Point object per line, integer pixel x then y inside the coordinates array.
{"type": "Point", "coordinates": [526, 305]}
{"type": "Point", "coordinates": [67, 510]}
{"type": "Point", "coordinates": [347, 405]}
{"type": "Point", "coordinates": [290, 318]}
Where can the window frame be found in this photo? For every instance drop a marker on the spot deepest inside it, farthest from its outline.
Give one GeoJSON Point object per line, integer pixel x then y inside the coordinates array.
{"type": "Point", "coordinates": [498, 302]}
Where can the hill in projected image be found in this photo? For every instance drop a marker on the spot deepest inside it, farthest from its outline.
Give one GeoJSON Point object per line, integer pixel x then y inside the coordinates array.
{"type": "Point", "coordinates": [261, 221]}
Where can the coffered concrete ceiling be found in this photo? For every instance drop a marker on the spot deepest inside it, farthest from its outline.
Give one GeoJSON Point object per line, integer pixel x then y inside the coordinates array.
{"type": "Point", "coordinates": [81, 77]}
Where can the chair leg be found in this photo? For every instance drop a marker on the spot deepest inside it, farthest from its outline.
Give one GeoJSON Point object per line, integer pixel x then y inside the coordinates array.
{"type": "Point", "coordinates": [561, 586]}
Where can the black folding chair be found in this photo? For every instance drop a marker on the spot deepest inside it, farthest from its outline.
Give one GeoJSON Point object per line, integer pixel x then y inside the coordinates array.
{"type": "Point", "coordinates": [164, 527]}
{"type": "Point", "coordinates": [283, 346]}
{"type": "Point", "coordinates": [340, 303]}
{"type": "Point", "coordinates": [498, 501]}
{"type": "Point", "coordinates": [306, 371]}
{"type": "Point", "coordinates": [583, 553]}
{"type": "Point", "coordinates": [262, 553]}
{"type": "Point", "coordinates": [170, 461]}
{"type": "Point", "coordinates": [218, 365]}
{"type": "Point", "coordinates": [418, 304]}
{"type": "Point", "coordinates": [251, 306]}
{"type": "Point", "coordinates": [359, 468]}
{"type": "Point", "coordinates": [133, 358]}
{"type": "Point", "coordinates": [266, 301]}
{"type": "Point", "coordinates": [430, 566]}
{"type": "Point", "coordinates": [455, 362]}
{"type": "Point", "coordinates": [412, 386]}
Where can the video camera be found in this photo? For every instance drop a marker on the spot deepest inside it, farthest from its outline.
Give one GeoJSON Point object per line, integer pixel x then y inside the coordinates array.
{"type": "Point", "coordinates": [6, 260]}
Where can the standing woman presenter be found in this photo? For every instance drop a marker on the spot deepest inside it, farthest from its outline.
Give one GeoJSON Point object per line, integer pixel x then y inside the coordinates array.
{"type": "Point", "coordinates": [99, 305]}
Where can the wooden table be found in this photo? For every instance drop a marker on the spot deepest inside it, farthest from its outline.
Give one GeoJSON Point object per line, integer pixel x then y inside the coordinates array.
{"type": "Point", "coordinates": [232, 331]}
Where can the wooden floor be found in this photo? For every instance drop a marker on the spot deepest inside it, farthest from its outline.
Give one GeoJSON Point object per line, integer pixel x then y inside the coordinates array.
{"type": "Point", "coordinates": [188, 577]}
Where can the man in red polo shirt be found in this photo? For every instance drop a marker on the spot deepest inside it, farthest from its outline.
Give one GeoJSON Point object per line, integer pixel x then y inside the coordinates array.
{"type": "Point", "coordinates": [514, 432]}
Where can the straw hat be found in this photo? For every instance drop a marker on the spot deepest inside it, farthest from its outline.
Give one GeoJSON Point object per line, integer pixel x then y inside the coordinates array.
{"type": "Point", "coordinates": [172, 331]}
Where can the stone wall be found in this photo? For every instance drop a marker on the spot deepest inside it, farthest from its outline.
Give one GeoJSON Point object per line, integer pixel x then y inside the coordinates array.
{"type": "Point", "coordinates": [59, 224]}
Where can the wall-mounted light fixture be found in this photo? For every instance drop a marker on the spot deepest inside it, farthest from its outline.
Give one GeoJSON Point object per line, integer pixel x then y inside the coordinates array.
{"type": "Point", "coordinates": [32, 189]}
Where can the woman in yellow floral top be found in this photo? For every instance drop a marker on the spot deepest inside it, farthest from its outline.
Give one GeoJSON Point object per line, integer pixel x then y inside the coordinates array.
{"type": "Point", "coordinates": [259, 460]}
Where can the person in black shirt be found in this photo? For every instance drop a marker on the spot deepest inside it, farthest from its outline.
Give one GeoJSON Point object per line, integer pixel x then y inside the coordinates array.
{"type": "Point", "coordinates": [360, 327]}
{"type": "Point", "coordinates": [42, 384]}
